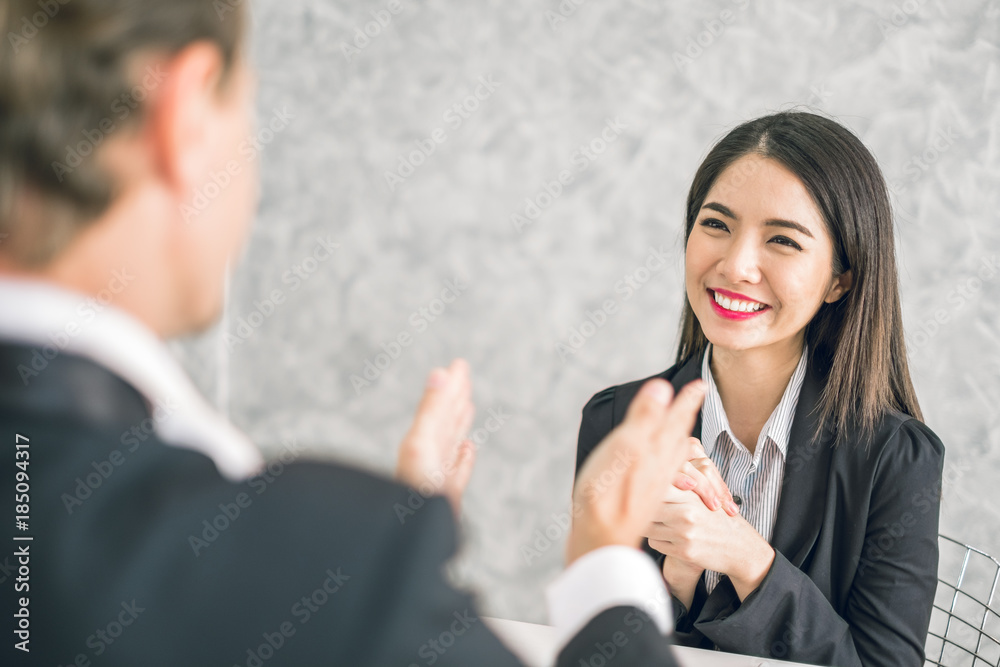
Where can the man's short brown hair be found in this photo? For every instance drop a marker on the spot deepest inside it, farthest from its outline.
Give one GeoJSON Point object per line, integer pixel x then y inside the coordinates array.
{"type": "Point", "coordinates": [67, 82]}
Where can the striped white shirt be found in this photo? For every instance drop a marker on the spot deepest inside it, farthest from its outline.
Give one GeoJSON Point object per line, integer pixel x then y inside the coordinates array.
{"type": "Point", "coordinates": [754, 480]}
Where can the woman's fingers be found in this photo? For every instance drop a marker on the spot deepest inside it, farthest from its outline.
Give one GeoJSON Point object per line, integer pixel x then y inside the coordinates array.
{"type": "Point", "coordinates": [703, 478]}
{"type": "Point", "coordinates": [699, 483]}
{"type": "Point", "coordinates": [658, 532]}
{"type": "Point", "coordinates": [674, 496]}
{"type": "Point", "coordinates": [708, 484]}
{"type": "Point", "coordinates": [683, 481]}
{"type": "Point", "coordinates": [713, 479]}
{"type": "Point", "coordinates": [697, 450]}
{"type": "Point", "coordinates": [660, 545]}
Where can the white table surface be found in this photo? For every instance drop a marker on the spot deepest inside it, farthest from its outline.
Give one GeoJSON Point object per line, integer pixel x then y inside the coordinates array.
{"type": "Point", "coordinates": [535, 646]}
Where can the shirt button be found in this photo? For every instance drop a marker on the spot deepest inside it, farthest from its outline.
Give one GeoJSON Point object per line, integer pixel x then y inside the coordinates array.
{"type": "Point", "coordinates": [737, 500]}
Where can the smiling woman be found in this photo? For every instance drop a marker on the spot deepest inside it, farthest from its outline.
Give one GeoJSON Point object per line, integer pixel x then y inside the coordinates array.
{"type": "Point", "coordinates": [809, 442]}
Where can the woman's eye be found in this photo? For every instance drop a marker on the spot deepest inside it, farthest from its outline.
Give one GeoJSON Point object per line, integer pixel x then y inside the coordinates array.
{"type": "Point", "coordinates": [784, 240]}
{"type": "Point", "coordinates": [712, 223]}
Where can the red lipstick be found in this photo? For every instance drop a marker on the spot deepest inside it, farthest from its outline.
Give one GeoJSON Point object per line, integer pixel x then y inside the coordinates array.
{"type": "Point", "coordinates": [732, 314]}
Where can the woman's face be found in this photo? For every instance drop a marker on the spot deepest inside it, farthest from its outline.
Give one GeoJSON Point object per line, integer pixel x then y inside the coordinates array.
{"type": "Point", "coordinates": [760, 246]}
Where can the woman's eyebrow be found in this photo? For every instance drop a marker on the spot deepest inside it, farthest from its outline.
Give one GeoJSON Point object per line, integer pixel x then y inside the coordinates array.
{"type": "Point", "coordinates": [724, 210]}
{"type": "Point", "coordinates": [788, 224]}
{"type": "Point", "coordinates": [773, 222]}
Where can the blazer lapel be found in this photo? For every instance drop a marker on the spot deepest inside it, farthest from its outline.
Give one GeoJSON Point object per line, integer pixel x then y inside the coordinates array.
{"type": "Point", "coordinates": [803, 498]}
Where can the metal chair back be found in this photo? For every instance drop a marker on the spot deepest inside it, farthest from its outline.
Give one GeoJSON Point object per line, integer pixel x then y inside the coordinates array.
{"type": "Point", "coordinates": [965, 622]}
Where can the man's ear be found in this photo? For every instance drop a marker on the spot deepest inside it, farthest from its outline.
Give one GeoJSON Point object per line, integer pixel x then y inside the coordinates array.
{"type": "Point", "coordinates": [180, 118]}
{"type": "Point", "coordinates": [841, 286]}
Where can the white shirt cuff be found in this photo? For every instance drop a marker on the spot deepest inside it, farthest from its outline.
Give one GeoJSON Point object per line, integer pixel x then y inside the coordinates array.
{"type": "Point", "coordinates": [602, 579]}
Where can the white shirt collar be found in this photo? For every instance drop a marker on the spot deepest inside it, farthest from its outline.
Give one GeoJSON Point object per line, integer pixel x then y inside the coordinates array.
{"type": "Point", "coordinates": [58, 320]}
{"type": "Point", "coordinates": [778, 426]}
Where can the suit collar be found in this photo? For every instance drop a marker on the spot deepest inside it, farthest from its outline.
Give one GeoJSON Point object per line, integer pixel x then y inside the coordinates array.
{"type": "Point", "coordinates": [55, 322]}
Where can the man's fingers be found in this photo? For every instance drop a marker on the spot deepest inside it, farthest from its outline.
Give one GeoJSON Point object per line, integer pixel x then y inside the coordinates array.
{"type": "Point", "coordinates": [683, 411]}
{"type": "Point", "coordinates": [465, 460]}
{"type": "Point", "coordinates": [444, 387]}
{"type": "Point", "coordinates": [461, 397]}
{"type": "Point", "coordinates": [458, 384]}
{"type": "Point", "coordinates": [461, 374]}
{"type": "Point", "coordinates": [675, 427]}
{"type": "Point", "coordinates": [646, 409]}
{"type": "Point", "coordinates": [465, 419]}
{"type": "Point", "coordinates": [434, 392]}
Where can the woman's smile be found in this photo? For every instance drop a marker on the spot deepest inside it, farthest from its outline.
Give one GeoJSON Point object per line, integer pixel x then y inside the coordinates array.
{"type": "Point", "coordinates": [733, 305]}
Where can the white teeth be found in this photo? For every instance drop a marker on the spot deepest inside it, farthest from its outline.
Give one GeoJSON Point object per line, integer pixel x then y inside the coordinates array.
{"type": "Point", "coordinates": [736, 305]}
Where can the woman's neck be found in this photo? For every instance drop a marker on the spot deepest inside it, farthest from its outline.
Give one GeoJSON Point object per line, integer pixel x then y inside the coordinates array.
{"type": "Point", "coordinates": [751, 383]}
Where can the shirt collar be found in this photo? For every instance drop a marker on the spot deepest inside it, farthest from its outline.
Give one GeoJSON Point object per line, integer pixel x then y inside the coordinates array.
{"type": "Point", "coordinates": [778, 426]}
{"type": "Point", "coordinates": [42, 314]}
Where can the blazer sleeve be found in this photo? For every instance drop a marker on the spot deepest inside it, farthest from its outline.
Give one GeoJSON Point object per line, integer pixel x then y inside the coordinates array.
{"type": "Point", "coordinates": [619, 637]}
{"type": "Point", "coordinates": [596, 423]}
{"type": "Point", "coordinates": [889, 602]}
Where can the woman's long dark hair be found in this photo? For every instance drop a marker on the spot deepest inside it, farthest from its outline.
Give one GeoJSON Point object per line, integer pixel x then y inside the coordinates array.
{"type": "Point", "coordinates": [857, 341]}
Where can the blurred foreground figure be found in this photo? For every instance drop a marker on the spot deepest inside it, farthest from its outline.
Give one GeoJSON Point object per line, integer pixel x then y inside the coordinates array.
{"type": "Point", "coordinates": [158, 535]}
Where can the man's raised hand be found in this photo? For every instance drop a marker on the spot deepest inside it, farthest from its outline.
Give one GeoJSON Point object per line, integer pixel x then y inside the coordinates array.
{"type": "Point", "coordinates": [436, 456]}
{"type": "Point", "coordinates": [623, 482]}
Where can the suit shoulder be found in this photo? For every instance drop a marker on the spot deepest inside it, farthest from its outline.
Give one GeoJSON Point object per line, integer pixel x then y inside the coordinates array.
{"type": "Point", "coordinates": [903, 440]}
{"type": "Point", "coordinates": [901, 427]}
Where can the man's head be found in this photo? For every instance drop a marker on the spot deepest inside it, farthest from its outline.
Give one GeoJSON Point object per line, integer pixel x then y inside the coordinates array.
{"type": "Point", "coordinates": [114, 115]}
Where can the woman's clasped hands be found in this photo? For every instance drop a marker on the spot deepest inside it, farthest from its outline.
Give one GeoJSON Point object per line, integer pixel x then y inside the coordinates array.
{"type": "Point", "coordinates": [698, 527]}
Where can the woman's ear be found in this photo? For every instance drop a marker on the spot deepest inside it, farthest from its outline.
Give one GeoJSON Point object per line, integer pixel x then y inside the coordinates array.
{"type": "Point", "coordinates": [841, 286]}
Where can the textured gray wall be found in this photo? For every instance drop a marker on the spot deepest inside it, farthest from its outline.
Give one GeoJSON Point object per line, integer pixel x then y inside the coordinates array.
{"type": "Point", "coordinates": [903, 75]}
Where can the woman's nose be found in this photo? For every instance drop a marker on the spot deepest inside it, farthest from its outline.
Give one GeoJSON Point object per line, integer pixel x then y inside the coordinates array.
{"type": "Point", "coordinates": [741, 262]}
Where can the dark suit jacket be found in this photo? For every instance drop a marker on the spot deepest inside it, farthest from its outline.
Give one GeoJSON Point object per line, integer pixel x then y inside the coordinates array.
{"type": "Point", "coordinates": [855, 537]}
{"type": "Point", "coordinates": [144, 555]}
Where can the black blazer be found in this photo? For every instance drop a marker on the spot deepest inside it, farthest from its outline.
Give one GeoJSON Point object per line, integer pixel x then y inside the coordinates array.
{"type": "Point", "coordinates": [144, 555]}
{"type": "Point", "coordinates": [855, 537]}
